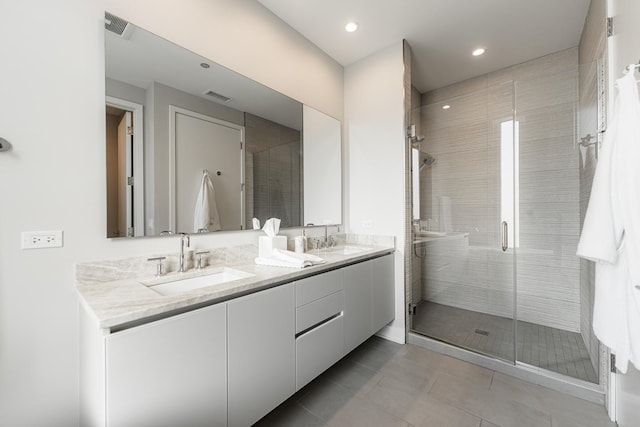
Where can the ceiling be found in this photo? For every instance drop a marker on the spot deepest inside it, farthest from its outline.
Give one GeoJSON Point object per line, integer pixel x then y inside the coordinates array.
{"type": "Point", "coordinates": [441, 33]}
{"type": "Point", "coordinates": [141, 58]}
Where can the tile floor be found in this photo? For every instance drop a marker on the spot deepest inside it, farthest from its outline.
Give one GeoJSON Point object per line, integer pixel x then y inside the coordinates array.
{"type": "Point", "coordinates": [549, 348]}
{"type": "Point", "coordinates": [382, 383]}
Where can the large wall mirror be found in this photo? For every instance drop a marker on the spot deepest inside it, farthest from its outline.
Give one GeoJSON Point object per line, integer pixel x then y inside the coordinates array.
{"type": "Point", "coordinates": [195, 147]}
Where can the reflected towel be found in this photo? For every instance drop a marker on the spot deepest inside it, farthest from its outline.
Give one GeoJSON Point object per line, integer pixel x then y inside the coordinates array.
{"type": "Point", "coordinates": [205, 215]}
{"type": "Point", "coordinates": [283, 258]}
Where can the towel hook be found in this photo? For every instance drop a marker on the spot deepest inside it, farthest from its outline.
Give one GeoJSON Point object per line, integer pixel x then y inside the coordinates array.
{"type": "Point", "coordinates": [205, 172]}
{"type": "Point", "coordinates": [4, 145]}
{"type": "Point", "coordinates": [633, 67]}
{"type": "Point", "coordinates": [218, 173]}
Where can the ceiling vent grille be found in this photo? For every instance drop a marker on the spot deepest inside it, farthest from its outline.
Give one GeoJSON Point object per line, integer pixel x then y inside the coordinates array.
{"type": "Point", "coordinates": [114, 24]}
{"type": "Point", "coordinates": [216, 96]}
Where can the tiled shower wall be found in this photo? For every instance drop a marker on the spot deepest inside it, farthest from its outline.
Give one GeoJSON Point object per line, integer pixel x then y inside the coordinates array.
{"type": "Point", "coordinates": [461, 192]}
{"type": "Point", "coordinates": [273, 170]}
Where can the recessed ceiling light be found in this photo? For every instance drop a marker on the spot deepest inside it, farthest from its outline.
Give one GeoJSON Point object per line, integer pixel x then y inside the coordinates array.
{"type": "Point", "coordinates": [479, 51]}
{"type": "Point", "coordinates": [351, 27]}
{"type": "Point", "coordinates": [446, 107]}
{"type": "Point", "coordinates": [204, 65]}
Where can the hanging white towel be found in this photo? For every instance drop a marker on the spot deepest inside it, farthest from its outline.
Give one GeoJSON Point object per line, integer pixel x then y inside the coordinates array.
{"type": "Point", "coordinates": [205, 215]}
{"type": "Point", "coordinates": [611, 231]}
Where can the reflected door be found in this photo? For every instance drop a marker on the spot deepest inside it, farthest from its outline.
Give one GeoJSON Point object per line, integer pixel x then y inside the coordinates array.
{"type": "Point", "coordinates": [203, 143]}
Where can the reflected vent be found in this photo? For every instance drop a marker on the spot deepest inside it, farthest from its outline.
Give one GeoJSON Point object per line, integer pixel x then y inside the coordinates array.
{"type": "Point", "coordinates": [115, 24]}
{"type": "Point", "coordinates": [217, 96]}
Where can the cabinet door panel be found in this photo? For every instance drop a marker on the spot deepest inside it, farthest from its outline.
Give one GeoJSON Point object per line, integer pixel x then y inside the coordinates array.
{"type": "Point", "coordinates": [170, 372]}
{"type": "Point", "coordinates": [261, 343]}
{"type": "Point", "coordinates": [383, 292]}
{"type": "Point", "coordinates": [317, 350]}
{"type": "Point", "coordinates": [357, 305]}
{"type": "Point", "coordinates": [316, 287]}
{"type": "Point", "coordinates": [317, 311]}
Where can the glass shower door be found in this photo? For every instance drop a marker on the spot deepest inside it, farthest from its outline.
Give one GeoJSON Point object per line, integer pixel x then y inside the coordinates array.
{"type": "Point", "coordinates": [463, 262]}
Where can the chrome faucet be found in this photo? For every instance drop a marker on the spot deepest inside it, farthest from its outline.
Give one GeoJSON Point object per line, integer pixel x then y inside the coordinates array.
{"type": "Point", "coordinates": [184, 238]}
{"type": "Point", "coordinates": [326, 236]}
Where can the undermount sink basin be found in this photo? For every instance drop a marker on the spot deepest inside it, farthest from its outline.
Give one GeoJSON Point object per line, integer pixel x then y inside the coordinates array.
{"type": "Point", "coordinates": [349, 250]}
{"type": "Point", "coordinates": [179, 284]}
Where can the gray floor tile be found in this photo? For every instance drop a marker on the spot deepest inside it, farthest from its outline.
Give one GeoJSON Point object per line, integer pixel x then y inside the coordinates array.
{"type": "Point", "coordinates": [325, 398]}
{"type": "Point", "coordinates": [362, 412]}
{"type": "Point", "coordinates": [290, 414]}
{"type": "Point", "coordinates": [415, 387]}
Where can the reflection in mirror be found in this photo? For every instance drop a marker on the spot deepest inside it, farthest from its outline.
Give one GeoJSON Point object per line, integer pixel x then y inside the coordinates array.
{"type": "Point", "coordinates": [322, 168]}
{"type": "Point", "coordinates": [195, 115]}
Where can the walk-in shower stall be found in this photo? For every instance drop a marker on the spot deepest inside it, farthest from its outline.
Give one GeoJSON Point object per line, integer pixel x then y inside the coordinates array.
{"type": "Point", "coordinates": [498, 173]}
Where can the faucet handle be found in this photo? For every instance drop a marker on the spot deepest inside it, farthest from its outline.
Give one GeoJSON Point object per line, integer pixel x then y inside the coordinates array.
{"type": "Point", "coordinates": [160, 266]}
{"type": "Point", "coordinates": [199, 259]}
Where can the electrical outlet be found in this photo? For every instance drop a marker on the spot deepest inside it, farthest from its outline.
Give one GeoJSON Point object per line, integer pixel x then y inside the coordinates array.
{"type": "Point", "coordinates": [41, 239]}
{"type": "Point", "coordinates": [367, 224]}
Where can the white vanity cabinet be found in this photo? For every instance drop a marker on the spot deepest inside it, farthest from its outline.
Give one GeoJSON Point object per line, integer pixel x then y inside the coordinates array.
{"type": "Point", "coordinates": [357, 305]}
{"type": "Point", "coordinates": [261, 362]}
{"type": "Point", "coordinates": [368, 299]}
{"type": "Point", "coordinates": [170, 372]}
{"type": "Point", "coordinates": [382, 292]}
{"type": "Point", "coordinates": [319, 324]}
{"type": "Point", "coordinates": [231, 363]}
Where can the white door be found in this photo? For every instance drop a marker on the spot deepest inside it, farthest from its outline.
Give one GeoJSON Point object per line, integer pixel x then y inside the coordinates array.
{"type": "Point", "coordinates": [129, 168]}
{"type": "Point", "coordinates": [204, 143]}
{"type": "Point", "coordinates": [628, 397]}
{"type": "Point", "coordinates": [125, 171]}
{"type": "Point", "coordinates": [623, 49]}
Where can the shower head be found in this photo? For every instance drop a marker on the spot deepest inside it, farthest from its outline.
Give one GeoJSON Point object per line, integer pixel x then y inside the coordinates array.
{"type": "Point", "coordinates": [427, 161]}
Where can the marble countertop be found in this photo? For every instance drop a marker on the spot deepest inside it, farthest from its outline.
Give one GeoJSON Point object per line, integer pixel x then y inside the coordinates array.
{"type": "Point", "coordinates": [125, 300]}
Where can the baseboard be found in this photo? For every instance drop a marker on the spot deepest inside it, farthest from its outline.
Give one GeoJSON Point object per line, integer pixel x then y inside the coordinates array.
{"type": "Point", "coordinates": [392, 333]}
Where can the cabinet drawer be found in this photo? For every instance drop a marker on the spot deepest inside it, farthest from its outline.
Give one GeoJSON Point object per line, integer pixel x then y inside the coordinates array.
{"type": "Point", "coordinates": [315, 287]}
{"type": "Point", "coordinates": [317, 350]}
{"type": "Point", "coordinates": [319, 310]}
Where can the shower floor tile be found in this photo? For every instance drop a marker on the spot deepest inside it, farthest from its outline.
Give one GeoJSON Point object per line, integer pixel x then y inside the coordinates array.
{"type": "Point", "coordinates": [549, 348]}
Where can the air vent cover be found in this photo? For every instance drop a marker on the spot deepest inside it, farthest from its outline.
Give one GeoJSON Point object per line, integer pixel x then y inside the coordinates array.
{"type": "Point", "coordinates": [217, 96]}
{"type": "Point", "coordinates": [114, 24]}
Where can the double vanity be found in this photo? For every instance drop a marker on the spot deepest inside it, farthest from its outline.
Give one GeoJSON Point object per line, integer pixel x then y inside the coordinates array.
{"type": "Point", "coordinates": [226, 344]}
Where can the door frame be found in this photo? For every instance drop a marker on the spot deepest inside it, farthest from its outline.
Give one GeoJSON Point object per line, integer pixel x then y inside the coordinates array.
{"type": "Point", "coordinates": [173, 110]}
{"type": "Point", "coordinates": [138, 158]}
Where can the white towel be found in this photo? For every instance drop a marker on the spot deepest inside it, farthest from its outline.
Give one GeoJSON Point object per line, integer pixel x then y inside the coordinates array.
{"type": "Point", "coordinates": [205, 215]}
{"type": "Point", "coordinates": [283, 258]}
{"type": "Point", "coordinates": [611, 231]}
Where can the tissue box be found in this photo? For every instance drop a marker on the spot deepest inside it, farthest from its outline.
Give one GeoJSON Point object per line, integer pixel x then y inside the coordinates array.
{"type": "Point", "coordinates": [266, 244]}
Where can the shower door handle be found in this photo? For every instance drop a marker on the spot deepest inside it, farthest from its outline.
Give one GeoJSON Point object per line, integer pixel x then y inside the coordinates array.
{"type": "Point", "coordinates": [505, 236]}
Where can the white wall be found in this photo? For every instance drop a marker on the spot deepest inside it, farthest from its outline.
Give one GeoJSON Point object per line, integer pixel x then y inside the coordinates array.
{"type": "Point", "coordinates": [624, 49]}
{"type": "Point", "coordinates": [374, 127]}
{"type": "Point", "coordinates": [52, 111]}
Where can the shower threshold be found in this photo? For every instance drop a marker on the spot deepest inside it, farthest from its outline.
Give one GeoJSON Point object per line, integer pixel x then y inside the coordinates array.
{"type": "Point", "coordinates": [552, 380]}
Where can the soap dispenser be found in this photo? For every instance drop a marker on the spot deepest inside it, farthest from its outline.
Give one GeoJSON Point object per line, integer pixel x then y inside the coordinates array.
{"type": "Point", "coordinates": [300, 243]}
